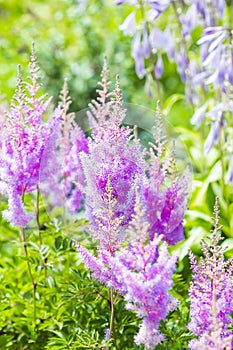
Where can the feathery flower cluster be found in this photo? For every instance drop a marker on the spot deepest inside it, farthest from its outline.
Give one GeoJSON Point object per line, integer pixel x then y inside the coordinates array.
{"type": "Point", "coordinates": [111, 152]}
{"type": "Point", "coordinates": [66, 180]}
{"type": "Point", "coordinates": [211, 294]}
{"type": "Point", "coordinates": [130, 225]}
{"type": "Point", "coordinates": [164, 196]}
{"type": "Point", "coordinates": [141, 271]}
{"type": "Point", "coordinates": [144, 269]}
{"type": "Point", "coordinates": [24, 138]}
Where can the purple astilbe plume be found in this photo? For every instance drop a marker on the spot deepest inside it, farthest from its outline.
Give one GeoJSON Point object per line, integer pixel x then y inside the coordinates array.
{"type": "Point", "coordinates": [141, 271]}
{"type": "Point", "coordinates": [111, 152]}
{"type": "Point", "coordinates": [24, 138]}
{"type": "Point", "coordinates": [109, 235]}
{"type": "Point", "coordinates": [211, 294]}
{"type": "Point", "coordinates": [144, 271]}
{"type": "Point", "coordinates": [165, 192]}
{"type": "Point", "coordinates": [67, 179]}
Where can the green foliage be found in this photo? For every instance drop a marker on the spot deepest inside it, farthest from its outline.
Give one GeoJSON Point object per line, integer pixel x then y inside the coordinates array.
{"type": "Point", "coordinates": [64, 308]}
{"type": "Point", "coordinates": [71, 310]}
{"type": "Point", "coordinates": [67, 37]}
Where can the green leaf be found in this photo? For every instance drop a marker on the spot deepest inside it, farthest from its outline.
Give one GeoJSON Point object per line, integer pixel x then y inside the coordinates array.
{"type": "Point", "coordinates": [58, 242]}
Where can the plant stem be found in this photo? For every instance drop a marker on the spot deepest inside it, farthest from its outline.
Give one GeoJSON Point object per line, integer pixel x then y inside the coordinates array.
{"type": "Point", "coordinates": [111, 312]}
{"type": "Point", "coordinates": [38, 212]}
{"type": "Point", "coordinates": [34, 284]}
{"type": "Point", "coordinates": [38, 224]}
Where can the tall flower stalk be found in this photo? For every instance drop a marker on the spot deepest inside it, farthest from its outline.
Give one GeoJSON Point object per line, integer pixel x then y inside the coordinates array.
{"type": "Point", "coordinates": [135, 202]}
{"type": "Point", "coordinates": [64, 186]}
{"type": "Point", "coordinates": [211, 295]}
{"type": "Point", "coordinates": [25, 137]}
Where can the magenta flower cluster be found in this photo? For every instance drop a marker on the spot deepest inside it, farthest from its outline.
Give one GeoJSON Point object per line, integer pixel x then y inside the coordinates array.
{"type": "Point", "coordinates": [114, 152]}
{"type": "Point", "coordinates": [65, 182]}
{"type": "Point", "coordinates": [141, 271]}
{"type": "Point", "coordinates": [211, 293]}
{"type": "Point", "coordinates": [134, 200]}
{"type": "Point", "coordinates": [25, 136]}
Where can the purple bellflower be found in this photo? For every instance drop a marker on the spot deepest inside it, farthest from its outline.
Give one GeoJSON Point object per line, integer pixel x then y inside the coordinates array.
{"type": "Point", "coordinates": [24, 138]}
{"type": "Point", "coordinates": [211, 295]}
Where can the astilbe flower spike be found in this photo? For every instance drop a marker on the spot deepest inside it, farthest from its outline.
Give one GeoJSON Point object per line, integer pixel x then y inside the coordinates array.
{"type": "Point", "coordinates": [66, 181]}
{"type": "Point", "coordinates": [109, 235]}
{"type": "Point", "coordinates": [24, 138]}
{"type": "Point", "coordinates": [111, 152]}
{"type": "Point", "coordinates": [141, 271]}
{"type": "Point", "coordinates": [144, 270]}
{"type": "Point", "coordinates": [165, 191]}
{"type": "Point", "coordinates": [211, 295]}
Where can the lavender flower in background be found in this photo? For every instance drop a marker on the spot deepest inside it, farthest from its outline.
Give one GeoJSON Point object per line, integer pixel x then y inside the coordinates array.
{"type": "Point", "coordinates": [211, 293]}
{"type": "Point", "coordinates": [215, 56]}
{"type": "Point", "coordinates": [129, 25]}
{"type": "Point", "coordinates": [205, 66]}
{"type": "Point", "coordinates": [210, 13]}
{"type": "Point", "coordinates": [230, 171]}
{"type": "Point", "coordinates": [187, 16]}
{"type": "Point", "coordinates": [24, 139]}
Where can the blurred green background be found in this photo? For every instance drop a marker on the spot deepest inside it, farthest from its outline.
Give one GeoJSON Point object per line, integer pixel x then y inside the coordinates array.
{"type": "Point", "coordinates": [71, 39]}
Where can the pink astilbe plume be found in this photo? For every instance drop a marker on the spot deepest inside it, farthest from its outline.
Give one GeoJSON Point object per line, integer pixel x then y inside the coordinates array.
{"type": "Point", "coordinates": [24, 138]}
{"type": "Point", "coordinates": [110, 236]}
{"type": "Point", "coordinates": [141, 271]}
{"type": "Point", "coordinates": [144, 270]}
{"type": "Point", "coordinates": [111, 152]}
{"type": "Point", "coordinates": [165, 191]}
{"type": "Point", "coordinates": [211, 295]}
{"type": "Point", "coordinates": [65, 185]}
